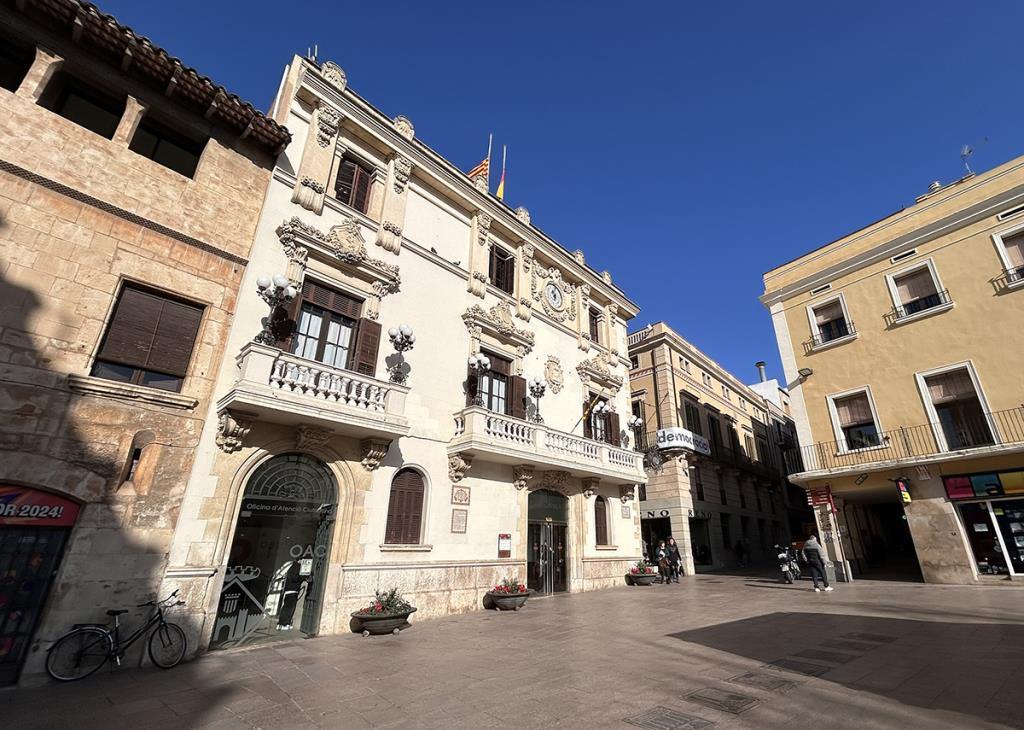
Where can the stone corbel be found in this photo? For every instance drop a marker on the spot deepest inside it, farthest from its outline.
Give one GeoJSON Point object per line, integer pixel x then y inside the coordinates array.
{"type": "Point", "coordinates": [521, 476]}
{"type": "Point", "coordinates": [311, 437]}
{"type": "Point", "coordinates": [611, 318]}
{"type": "Point", "coordinates": [45, 65]}
{"type": "Point", "coordinates": [458, 465]}
{"type": "Point", "coordinates": [479, 253]}
{"type": "Point", "coordinates": [317, 159]}
{"type": "Point", "coordinates": [374, 451]}
{"type": "Point", "coordinates": [627, 493]}
{"type": "Point", "coordinates": [232, 428]}
{"type": "Point", "coordinates": [392, 205]}
{"type": "Point", "coordinates": [590, 487]}
{"type": "Point", "coordinates": [583, 320]}
{"type": "Point", "coordinates": [133, 113]}
{"type": "Point", "coordinates": [524, 305]}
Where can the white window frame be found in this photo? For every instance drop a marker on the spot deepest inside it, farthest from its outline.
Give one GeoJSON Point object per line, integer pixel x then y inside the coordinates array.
{"type": "Point", "coordinates": [890, 281]}
{"type": "Point", "coordinates": [929, 407]}
{"type": "Point", "coordinates": [1004, 258]}
{"type": "Point", "coordinates": [813, 321]}
{"type": "Point", "coordinates": [837, 428]}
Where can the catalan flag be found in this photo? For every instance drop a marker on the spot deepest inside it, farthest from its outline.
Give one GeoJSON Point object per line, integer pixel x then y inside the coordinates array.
{"type": "Point", "coordinates": [484, 168]}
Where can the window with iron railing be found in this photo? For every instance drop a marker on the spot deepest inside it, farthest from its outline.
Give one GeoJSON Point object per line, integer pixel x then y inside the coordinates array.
{"type": "Point", "coordinates": [856, 421]}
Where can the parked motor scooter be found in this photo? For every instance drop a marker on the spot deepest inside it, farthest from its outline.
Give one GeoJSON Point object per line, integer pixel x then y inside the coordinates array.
{"type": "Point", "coordinates": [788, 563]}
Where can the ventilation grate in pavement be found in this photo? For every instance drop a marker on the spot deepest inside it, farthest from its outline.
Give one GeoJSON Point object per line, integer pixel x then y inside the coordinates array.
{"type": "Point", "coordinates": [811, 670]}
{"type": "Point", "coordinates": [759, 680]}
{"type": "Point", "coordinates": [832, 657]}
{"type": "Point", "coordinates": [662, 718]}
{"type": "Point", "coordinates": [722, 700]}
{"type": "Point", "coordinates": [877, 638]}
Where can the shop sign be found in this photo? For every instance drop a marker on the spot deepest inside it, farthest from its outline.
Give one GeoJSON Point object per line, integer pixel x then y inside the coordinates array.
{"type": "Point", "coordinates": [902, 486]}
{"type": "Point", "coordinates": [700, 514]}
{"type": "Point", "coordinates": [973, 486]}
{"type": "Point", "coordinates": [675, 438]}
{"type": "Point", "coordinates": [279, 508]}
{"type": "Point", "coordinates": [653, 514]}
{"type": "Point", "coordinates": [25, 506]}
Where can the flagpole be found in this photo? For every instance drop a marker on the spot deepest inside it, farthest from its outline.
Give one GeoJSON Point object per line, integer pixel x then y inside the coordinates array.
{"type": "Point", "coordinates": [490, 138]}
{"type": "Point", "coordinates": [504, 149]}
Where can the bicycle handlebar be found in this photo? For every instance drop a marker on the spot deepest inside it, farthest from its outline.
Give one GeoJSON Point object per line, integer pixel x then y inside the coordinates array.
{"type": "Point", "coordinates": [165, 601]}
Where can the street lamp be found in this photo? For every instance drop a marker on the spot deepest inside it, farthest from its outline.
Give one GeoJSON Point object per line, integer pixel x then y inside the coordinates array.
{"type": "Point", "coordinates": [479, 363]}
{"type": "Point", "coordinates": [275, 291]}
{"type": "Point", "coordinates": [402, 339]}
{"type": "Point", "coordinates": [634, 423]}
{"type": "Point", "coordinates": [537, 388]}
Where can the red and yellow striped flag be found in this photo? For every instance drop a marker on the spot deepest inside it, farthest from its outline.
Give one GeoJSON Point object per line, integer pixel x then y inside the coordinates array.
{"type": "Point", "coordinates": [484, 168]}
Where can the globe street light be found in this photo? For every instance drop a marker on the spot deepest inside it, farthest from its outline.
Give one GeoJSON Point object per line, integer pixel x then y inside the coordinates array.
{"type": "Point", "coordinates": [537, 388]}
{"type": "Point", "coordinates": [479, 363]}
{"type": "Point", "coordinates": [275, 291]}
{"type": "Point", "coordinates": [634, 423]}
{"type": "Point", "coordinates": [402, 339]}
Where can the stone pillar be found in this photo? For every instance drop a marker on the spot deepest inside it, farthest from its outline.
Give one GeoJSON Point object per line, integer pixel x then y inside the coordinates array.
{"type": "Point", "coordinates": [942, 549]}
{"type": "Point", "coordinates": [479, 253]}
{"type": "Point", "coordinates": [133, 113]}
{"type": "Point", "coordinates": [392, 206]}
{"type": "Point", "coordinates": [524, 265]}
{"type": "Point", "coordinates": [317, 158]}
{"type": "Point", "coordinates": [667, 407]}
{"type": "Point", "coordinates": [47, 63]}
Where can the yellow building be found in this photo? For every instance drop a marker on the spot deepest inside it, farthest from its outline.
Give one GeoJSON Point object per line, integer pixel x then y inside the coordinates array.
{"type": "Point", "coordinates": [901, 344]}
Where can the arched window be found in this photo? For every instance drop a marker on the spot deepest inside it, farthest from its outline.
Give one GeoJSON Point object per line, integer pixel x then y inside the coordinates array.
{"type": "Point", "coordinates": [405, 510]}
{"type": "Point", "coordinates": [601, 520]}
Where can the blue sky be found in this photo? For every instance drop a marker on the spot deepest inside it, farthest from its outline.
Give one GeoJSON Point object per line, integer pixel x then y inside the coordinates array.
{"type": "Point", "coordinates": [686, 147]}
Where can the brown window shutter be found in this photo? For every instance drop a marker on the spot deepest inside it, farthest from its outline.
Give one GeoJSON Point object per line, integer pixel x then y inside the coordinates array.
{"type": "Point", "coordinates": [175, 338]}
{"type": "Point", "coordinates": [346, 181]}
{"type": "Point", "coordinates": [500, 365]}
{"type": "Point", "coordinates": [405, 509]}
{"type": "Point", "coordinates": [132, 328]}
{"type": "Point", "coordinates": [613, 428]}
{"type": "Point", "coordinates": [331, 299]}
{"type": "Point", "coordinates": [367, 345]}
{"type": "Point", "coordinates": [517, 397]}
{"type": "Point", "coordinates": [471, 385]}
{"type": "Point", "coordinates": [361, 189]}
{"type": "Point", "coordinates": [601, 520]}
{"type": "Point", "coordinates": [588, 431]}
{"type": "Point", "coordinates": [286, 321]}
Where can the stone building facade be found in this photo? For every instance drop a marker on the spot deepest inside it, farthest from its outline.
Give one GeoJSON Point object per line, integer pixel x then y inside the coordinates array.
{"type": "Point", "coordinates": [902, 344]}
{"type": "Point", "coordinates": [130, 188]}
{"type": "Point", "coordinates": [334, 463]}
{"type": "Point", "coordinates": [714, 447]}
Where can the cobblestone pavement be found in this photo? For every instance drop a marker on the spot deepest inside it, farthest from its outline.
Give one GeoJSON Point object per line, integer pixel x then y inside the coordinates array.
{"type": "Point", "coordinates": [715, 651]}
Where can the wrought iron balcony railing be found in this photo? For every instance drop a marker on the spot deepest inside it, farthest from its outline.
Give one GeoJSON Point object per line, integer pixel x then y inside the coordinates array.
{"type": "Point", "coordinates": [916, 306]}
{"type": "Point", "coordinates": [836, 330]}
{"type": "Point", "coordinates": [911, 442]}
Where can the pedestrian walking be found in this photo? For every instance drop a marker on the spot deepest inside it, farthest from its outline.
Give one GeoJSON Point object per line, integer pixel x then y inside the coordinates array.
{"type": "Point", "coordinates": [674, 558]}
{"type": "Point", "coordinates": [661, 555]}
{"type": "Point", "coordinates": [814, 556]}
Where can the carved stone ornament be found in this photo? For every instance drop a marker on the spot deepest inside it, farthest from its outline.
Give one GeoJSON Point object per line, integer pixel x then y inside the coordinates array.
{"type": "Point", "coordinates": [327, 122]}
{"type": "Point", "coordinates": [521, 476]}
{"type": "Point", "coordinates": [232, 428]}
{"type": "Point", "coordinates": [590, 487]}
{"type": "Point", "coordinates": [334, 75]}
{"type": "Point", "coordinates": [458, 465]}
{"type": "Point", "coordinates": [540, 280]}
{"type": "Point", "coordinates": [309, 194]}
{"type": "Point", "coordinates": [627, 493]}
{"type": "Point", "coordinates": [554, 479]}
{"type": "Point", "coordinates": [404, 127]}
{"type": "Point", "coordinates": [374, 451]}
{"type": "Point", "coordinates": [312, 185]}
{"type": "Point", "coordinates": [481, 277]}
{"type": "Point", "coordinates": [311, 437]}
{"type": "Point", "coordinates": [481, 183]}
{"type": "Point", "coordinates": [553, 374]}
{"type": "Point", "coordinates": [497, 322]}
{"type": "Point", "coordinates": [606, 276]}
{"type": "Point", "coordinates": [528, 252]}
{"type": "Point", "coordinates": [345, 242]}
{"type": "Point", "coordinates": [523, 214]}
{"type": "Point", "coordinates": [403, 169]}
{"type": "Point", "coordinates": [580, 258]}
{"type": "Point", "coordinates": [483, 228]}
{"type": "Point", "coordinates": [389, 237]}
{"type": "Point", "coordinates": [596, 370]}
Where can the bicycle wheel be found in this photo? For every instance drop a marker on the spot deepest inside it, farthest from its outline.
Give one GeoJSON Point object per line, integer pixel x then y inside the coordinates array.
{"type": "Point", "coordinates": [167, 645]}
{"type": "Point", "coordinates": [78, 653]}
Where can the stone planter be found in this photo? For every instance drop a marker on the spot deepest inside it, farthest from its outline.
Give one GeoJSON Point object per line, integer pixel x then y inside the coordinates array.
{"type": "Point", "coordinates": [640, 579]}
{"type": "Point", "coordinates": [380, 623]}
{"type": "Point", "coordinates": [508, 601]}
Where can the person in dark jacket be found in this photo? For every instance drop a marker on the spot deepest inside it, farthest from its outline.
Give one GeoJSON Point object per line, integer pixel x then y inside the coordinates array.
{"type": "Point", "coordinates": [674, 558]}
{"type": "Point", "coordinates": [661, 555]}
{"type": "Point", "coordinates": [814, 555]}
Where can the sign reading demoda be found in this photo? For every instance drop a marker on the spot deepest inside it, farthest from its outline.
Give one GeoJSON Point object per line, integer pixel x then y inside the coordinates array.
{"type": "Point", "coordinates": [674, 438]}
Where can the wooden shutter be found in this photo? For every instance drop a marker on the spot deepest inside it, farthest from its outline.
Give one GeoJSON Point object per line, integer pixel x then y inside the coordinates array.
{"type": "Point", "coordinates": [601, 521]}
{"type": "Point", "coordinates": [517, 397]}
{"type": "Point", "coordinates": [614, 436]}
{"type": "Point", "coordinates": [361, 189]}
{"type": "Point", "coordinates": [588, 430]}
{"type": "Point", "coordinates": [151, 332]}
{"type": "Point", "coordinates": [595, 331]}
{"type": "Point", "coordinates": [471, 385]}
{"type": "Point", "coordinates": [405, 509]}
{"type": "Point", "coordinates": [331, 299]}
{"type": "Point", "coordinates": [500, 365]}
{"type": "Point", "coordinates": [367, 345]}
{"type": "Point", "coordinates": [346, 181]}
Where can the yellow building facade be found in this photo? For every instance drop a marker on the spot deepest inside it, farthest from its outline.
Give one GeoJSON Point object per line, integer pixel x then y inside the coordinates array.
{"type": "Point", "coordinates": [902, 345]}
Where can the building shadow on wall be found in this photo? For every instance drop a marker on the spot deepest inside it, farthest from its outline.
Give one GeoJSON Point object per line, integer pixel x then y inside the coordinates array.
{"type": "Point", "coordinates": [969, 667]}
{"type": "Point", "coordinates": [53, 576]}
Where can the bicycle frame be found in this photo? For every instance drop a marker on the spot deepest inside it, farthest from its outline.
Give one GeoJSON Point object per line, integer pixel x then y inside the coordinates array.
{"type": "Point", "coordinates": [119, 648]}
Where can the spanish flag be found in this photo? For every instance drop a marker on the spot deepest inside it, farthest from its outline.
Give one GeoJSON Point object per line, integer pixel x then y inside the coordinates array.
{"type": "Point", "coordinates": [500, 194]}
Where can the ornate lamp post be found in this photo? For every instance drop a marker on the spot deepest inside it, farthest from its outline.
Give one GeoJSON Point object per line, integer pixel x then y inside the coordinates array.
{"type": "Point", "coordinates": [402, 339]}
{"type": "Point", "coordinates": [276, 292]}
{"type": "Point", "coordinates": [479, 363]}
{"type": "Point", "coordinates": [537, 388]}
{"type": "Point", "coordinates": [634, 423]}
{"type": "Point", "coordinates": [600, 409]}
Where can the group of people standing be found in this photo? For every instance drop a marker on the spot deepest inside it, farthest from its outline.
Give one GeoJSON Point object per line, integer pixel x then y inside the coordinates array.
{"type": "Point", "coordinates": [668, 559]}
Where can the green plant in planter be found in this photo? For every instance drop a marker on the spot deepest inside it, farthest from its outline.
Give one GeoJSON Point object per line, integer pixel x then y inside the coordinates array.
{"type": "Point", "coordinates": [387, 602]}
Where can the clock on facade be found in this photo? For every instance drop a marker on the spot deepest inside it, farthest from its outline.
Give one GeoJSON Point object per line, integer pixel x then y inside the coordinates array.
{"type": "Point", "coordinates": [554, 294]}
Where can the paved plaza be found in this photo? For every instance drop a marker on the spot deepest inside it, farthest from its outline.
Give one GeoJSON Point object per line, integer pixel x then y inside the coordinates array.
{"type": "Point", "coordinates": [722, 651]}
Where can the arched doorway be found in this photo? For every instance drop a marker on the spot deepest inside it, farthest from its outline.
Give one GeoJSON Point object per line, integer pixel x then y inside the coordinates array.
{"type": "Point", "coordinates": [274, 580]}
{"type": "Point", "coordinates": [547, 566]}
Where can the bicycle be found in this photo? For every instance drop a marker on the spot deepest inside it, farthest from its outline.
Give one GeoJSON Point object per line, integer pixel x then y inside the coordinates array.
{"type": "Point", "coordinates": [88, 647]}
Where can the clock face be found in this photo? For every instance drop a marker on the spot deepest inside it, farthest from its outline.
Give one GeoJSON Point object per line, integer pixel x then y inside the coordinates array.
{"type": "Point", "coordinates": [554, 295]}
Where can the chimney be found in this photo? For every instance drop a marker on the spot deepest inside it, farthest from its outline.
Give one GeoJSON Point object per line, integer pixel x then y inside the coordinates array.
{"type": "Point", "coordinates": [760, 370]}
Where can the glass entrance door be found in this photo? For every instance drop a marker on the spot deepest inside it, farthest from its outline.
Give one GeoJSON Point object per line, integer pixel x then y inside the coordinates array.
{"type": "Point", "coordinates": [981, 534]}
{"type": "Point", "coordinates": [546, 559]}
{"type": "Point", "coordinates": [1009, 517]}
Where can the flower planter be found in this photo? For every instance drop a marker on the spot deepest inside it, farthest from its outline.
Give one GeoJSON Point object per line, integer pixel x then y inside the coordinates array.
{"type": "Point", "coordinates": [640, 579]}
{"type": "Point", "coordinates": [508, 601]}
{"type": "Point", "coordinates": [381, 623]}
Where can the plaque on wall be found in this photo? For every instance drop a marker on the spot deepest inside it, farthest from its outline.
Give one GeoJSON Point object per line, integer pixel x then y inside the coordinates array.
{"type": "Point", "coordinates": [626, 512]}
{"type": "Point", "coordinates": [460, 517]}
{"type": "Point", "coordinates": [460, 494]}
{"type": "Point", "coordinates": [504, 545]}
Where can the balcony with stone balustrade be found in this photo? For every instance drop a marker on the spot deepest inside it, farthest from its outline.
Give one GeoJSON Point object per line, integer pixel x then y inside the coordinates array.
{"type": "Point", "coordinates": [495, 437]}
{"type": "Point", "coordinates": [280, 387]}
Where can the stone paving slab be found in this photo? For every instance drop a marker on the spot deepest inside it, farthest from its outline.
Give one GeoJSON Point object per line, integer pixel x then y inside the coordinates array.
{"type": "Point", "coordinates": [685, 656]}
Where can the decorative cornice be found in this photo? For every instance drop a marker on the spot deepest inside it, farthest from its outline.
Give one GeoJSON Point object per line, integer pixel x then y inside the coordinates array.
{"type": "Point", "coordinates": [596, 369]}
{"type": "Point", "coordinates": [345, 241]}
{"type": "Point", "coordinates": [498, 322]}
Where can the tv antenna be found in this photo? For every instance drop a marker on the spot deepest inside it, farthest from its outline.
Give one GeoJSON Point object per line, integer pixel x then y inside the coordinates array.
{"type": "Point", "coordinates": [312, 53]}
{"type": "Point", "coordinates": [965, 152]}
